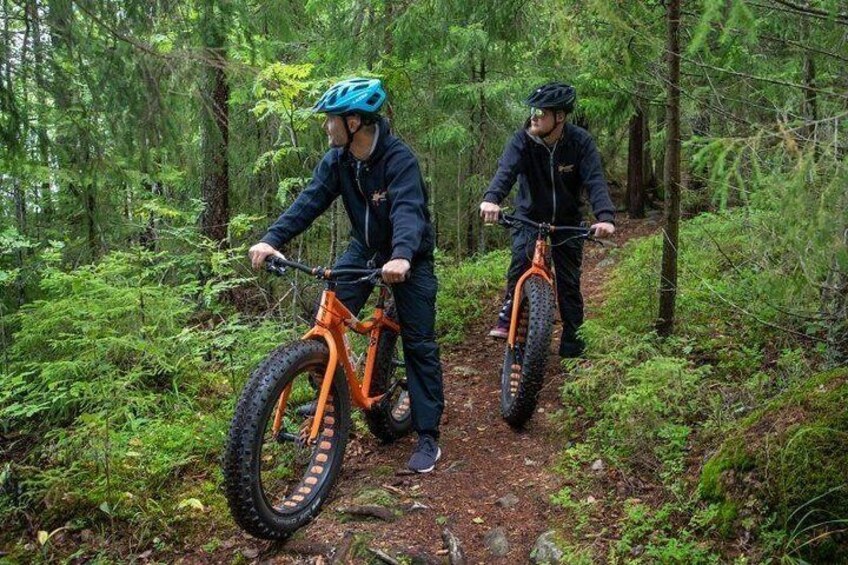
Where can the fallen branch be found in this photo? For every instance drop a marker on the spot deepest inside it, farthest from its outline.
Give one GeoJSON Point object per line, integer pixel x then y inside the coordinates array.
{"type": "Point", "coordinates": [384, 557]}
{"type": "Point", "coordinates": [342, 553]}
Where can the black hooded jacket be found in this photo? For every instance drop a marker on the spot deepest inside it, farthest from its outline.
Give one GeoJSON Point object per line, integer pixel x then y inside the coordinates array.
{"type": "Point", "coordinates": [550, 178]}
{"type": "Point", "coordinates": [384, 196]}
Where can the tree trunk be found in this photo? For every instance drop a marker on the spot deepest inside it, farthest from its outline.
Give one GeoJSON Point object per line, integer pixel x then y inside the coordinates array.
{"type": "Point", "coordinates": [480, 154]}
{"type": "Point", "coordinates": [660, 190]}
{"type": "Point", "coordinates": [635, 162]}
{"type": "Point", "coordinates": [649, 176]}
{"type": "Point", "coordinates": [215, 119]}
{"type": "Point", "coordinates": [668, 277]}
{"type": "Point", "coordinates": [45, 196]}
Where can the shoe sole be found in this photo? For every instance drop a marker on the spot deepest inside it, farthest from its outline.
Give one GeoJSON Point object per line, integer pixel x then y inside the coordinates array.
{"type": "Point", "coordinates": [428, 469]}
{"type": "Point", "coordinates": [498, 335]}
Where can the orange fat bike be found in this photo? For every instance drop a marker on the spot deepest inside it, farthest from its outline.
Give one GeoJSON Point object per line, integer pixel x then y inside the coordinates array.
{"type": "Point", "coordinates": [531, 323]}
{"type": "Point", "coordinates": [288, 437]}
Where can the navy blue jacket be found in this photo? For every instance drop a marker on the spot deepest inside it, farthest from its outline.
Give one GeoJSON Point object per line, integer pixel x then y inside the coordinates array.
{"type": "Point", "coordinates": [384, 196]}
{"type": "Point", "coordinates": [550, 178]}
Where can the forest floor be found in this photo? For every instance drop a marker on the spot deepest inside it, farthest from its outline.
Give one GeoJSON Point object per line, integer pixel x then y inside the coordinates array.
{"type": "Point", "coordinates": [492, 483]}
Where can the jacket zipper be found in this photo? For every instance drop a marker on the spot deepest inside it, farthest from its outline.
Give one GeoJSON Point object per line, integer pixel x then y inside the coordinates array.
{"type": "Point", "coordinates": [367, 208]}
{"type": "Point", "coordinates": [553, 181]}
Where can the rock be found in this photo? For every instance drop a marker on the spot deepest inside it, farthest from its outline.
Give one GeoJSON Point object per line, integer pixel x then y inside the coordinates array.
{"type": "Point", "coordinates": [250, 552]}
{"type": "Point", "coordinates": [608, 262]}
{"type": "Point", "coordinates": [496, 542]}
{"type": "Point", "coordinates": [545, 550]}
{"type": "Point", "coordinates": [529, 462]}
{"type": "Point", "coordinates": [598, 466]}
{"type": "Point", "coordinates": [368, 511]}
{"type": "Point", "coordinates": [456, 556]}
{"type": "Point", "coordinates": [638, 550]}
{"type": "Point", "coordinates": [507, 501]}
{"type": "Point", "coordinates": [415, 506]}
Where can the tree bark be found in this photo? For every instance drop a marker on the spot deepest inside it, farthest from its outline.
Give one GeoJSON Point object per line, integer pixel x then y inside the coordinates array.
{"type": "Point", "coordinates": [668, 277]}
{"type": "Point", "coordinates": [649, 175]}
{"type": "Point", "coordinates": [215, 190]}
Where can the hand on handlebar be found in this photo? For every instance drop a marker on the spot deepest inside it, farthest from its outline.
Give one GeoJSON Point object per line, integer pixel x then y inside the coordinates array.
{"type": "Point", "coordinates": [261, 251]}
{"type": "Point", "coordinates": [490, 212]}
{"type": "Point", "coordinates": [603, 229]}
{"type": "Point", "coordinates": [395, 271]}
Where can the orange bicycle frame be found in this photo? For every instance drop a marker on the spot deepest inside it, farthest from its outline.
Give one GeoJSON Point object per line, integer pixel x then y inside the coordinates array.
{"type": "Point", "coordinates": [331, 325]}
{"type": "Point", "coordinates": [538, 267]}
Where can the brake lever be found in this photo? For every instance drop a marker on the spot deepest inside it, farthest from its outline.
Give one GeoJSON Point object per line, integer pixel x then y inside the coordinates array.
{"type": "Point", "coordinates": [275, 268]}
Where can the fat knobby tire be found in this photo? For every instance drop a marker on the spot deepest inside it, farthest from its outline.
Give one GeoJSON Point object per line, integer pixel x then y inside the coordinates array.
{"type": "Point", "coordinates": [380, 419]}
{"type": "Point", "coordinates": [538, 298]}
{"type": "Point", "coordinates": [241, 464]}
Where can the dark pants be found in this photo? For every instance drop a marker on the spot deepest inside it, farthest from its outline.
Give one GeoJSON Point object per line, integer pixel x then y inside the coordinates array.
{"type": "Point", "coordinates": [567, 255]}
{"type": "Point", "coordinates": [415, 301]}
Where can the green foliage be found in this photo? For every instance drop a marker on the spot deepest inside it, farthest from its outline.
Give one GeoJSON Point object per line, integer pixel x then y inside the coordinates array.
{"type": "Point", "coordinates": [123, 384]}
{"type": "Point", "coordinates": [461, 289]}
{"type": "Point", "coordinates": [646, 405]}
{"type": "Point", "coordinates": [792, 455]}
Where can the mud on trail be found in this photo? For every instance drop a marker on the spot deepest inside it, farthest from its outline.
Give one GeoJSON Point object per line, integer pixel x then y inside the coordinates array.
{"type": "Point", "coordinates": [490, 476]}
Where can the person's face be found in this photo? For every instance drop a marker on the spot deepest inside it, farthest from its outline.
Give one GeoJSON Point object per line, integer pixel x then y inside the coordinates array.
{"type": "Point", "coordinates": [335, 129]}
{"type": "Point", "coordinates": [543, 120]}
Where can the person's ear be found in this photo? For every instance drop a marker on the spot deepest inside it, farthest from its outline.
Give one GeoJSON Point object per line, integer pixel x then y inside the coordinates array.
{"type": "Point", "coordinates": [559, 117]}
{"type": "Point", "coordinates": [354, 122]}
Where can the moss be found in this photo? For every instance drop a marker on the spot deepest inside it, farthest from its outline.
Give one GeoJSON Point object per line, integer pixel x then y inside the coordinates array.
{"type": "Point", "coordinates": [731, 457]}
{"type": "Point", "coordinates": [727, 513]}
{"type": "Point", "coordinates": [795, 452]}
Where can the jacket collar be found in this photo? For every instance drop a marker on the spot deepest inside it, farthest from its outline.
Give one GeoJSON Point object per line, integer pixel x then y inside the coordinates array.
{"type": "Point", "coordinates": [562, 135]}
{"type": "Point", "coordinates": [383, 134]}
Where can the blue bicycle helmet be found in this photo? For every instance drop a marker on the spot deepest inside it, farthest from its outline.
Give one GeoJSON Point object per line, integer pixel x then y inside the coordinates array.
{"type": "Point", "coordinates": [352, 96]}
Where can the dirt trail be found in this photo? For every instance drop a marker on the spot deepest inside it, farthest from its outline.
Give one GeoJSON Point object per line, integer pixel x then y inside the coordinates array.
{"type": "Point", "coordinates": [483, 461]}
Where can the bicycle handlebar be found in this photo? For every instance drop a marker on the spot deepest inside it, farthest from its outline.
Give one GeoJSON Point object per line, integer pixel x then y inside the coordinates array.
{"type": "Point", "coordinates": [279, 266]}
{"type": "Point", "coordinates": [509, 220]}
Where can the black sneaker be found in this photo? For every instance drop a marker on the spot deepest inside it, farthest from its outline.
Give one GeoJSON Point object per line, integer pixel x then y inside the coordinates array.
{"type": "Point", "coordinates": [424, 457]}
{"type": "Point", "coordinates": [571, 349]}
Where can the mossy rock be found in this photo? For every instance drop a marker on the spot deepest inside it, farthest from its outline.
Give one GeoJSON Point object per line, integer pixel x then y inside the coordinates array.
{"type": "Point", "coordinates": [793, 454]}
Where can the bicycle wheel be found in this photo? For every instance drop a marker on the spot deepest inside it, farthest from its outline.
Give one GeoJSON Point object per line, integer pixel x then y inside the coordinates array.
{"type": "Point", "coordinates": [391, 419]}
{"type": "Point", "coordinates": [524, 364]}
{"type": "Point", "coordinates": [275, 482]}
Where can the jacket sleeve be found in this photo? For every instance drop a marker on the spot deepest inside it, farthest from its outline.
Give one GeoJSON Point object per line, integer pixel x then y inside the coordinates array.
{"type": "Point", "coordinates": [408, 206]}
{"type": "Point", "coordinates": [592, 175]}
{"type": "Point", "coordinates": [309, 204]}
{"type": "Point", "coordinates": [509, 165]}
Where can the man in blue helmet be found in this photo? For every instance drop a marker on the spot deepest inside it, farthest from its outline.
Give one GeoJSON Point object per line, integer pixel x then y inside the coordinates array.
{"type": "Point", "coordinates": [552, 160]}
{"type": "Point", "coordinates": [379, 181]}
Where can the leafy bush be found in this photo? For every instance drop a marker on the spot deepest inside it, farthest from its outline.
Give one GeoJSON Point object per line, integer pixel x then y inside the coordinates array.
{"type": "Point", "coordinates": [646, 405]}
{"type": "Point", "coordinates": [465, 291]}
{"type": "Point", "coordinates": [121, 379]}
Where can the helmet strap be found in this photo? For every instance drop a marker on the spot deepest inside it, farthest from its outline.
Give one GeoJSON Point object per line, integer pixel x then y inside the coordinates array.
{"type": "Point", "coordinates": [556, 125]}
{"type": "Point", "coordinates": [349, 133]}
